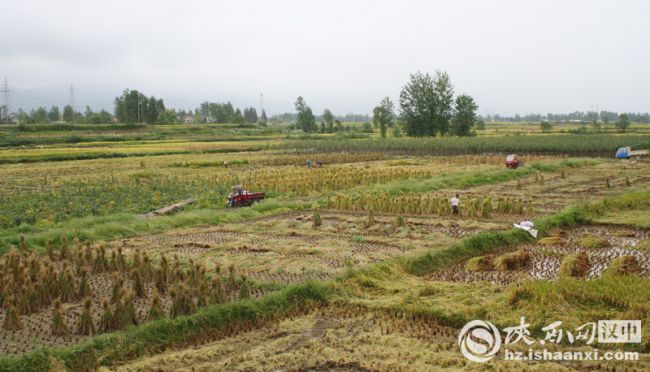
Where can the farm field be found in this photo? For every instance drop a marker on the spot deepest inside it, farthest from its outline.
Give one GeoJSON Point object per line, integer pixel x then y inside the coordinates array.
{"type": "Point", "coordinates": [358, 265]}
{"type": "Point", "coordinates": [238, 187]}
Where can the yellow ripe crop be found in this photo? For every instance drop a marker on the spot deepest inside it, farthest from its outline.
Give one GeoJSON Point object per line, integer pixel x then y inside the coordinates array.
{"type": "Point", "coordinates": [416, 204]}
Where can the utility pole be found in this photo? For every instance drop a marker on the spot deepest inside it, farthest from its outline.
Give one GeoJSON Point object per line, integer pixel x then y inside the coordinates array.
{"type": "Point", "coordinates": [72, 97]}
{"type": "Point", "coordinates": [261, 102]}
{"type": "Point", "coordinates": [4, 114]}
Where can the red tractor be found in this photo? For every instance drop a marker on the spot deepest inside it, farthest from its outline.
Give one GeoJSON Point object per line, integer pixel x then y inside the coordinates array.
{"type": "Point", "coordinates": [512, 161]}
{"type": "Point", "coordinates": [241, 198]}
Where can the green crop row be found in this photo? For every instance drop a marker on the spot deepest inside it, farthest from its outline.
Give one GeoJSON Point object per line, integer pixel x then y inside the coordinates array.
{"type": "Point", "coordinates": [584, 145]}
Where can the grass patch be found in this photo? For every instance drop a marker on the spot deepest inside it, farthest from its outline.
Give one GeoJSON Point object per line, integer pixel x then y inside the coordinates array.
{"type": "Point", "coordinates": [627, 202]}
{"type": "Point", "coordinates": [479, 244]}
{"type": "Point", "coordinates": [592, 241]}
{"type": "Point", "coordinates": [637, 218]}
{"type": "Point", "coordinates": [474, 178]}
{"type": "Point", "coordinates": [126, 225]}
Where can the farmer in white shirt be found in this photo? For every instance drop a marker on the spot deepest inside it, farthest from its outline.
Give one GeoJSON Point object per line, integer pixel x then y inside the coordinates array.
{"type": "Point", "coordinates": [454, 204]}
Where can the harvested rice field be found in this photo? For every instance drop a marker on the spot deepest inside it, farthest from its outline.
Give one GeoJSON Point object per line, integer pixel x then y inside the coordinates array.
{"type": "Point", "coordinates": [288, 248]}
{"type": "Point", "coordinates": [252, 187]}
{"type": "Point", "coordinates": [356, 266]}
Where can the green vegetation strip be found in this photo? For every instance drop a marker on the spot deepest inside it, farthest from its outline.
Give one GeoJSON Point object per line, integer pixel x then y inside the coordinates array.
{"type": "Point", "coordinates": [109, 155]}
{"type": "Point", "coordinates": [573, 144]}
{"type": "Point", "coordinates": [158, 335]}
{"type": "Point", "coordinates": [477, 178]}
{"type": "Point", "coordinates": [125, 225]}
{"type": "Point", "coordinates": [474, 245]}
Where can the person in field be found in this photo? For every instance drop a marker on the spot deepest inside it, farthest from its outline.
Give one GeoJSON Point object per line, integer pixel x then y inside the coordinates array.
{"type": "Point", "coordinates": [454, 205]}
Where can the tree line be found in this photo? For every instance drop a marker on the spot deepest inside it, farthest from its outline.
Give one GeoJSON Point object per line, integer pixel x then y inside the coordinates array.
{"type": "Point", "coordinates": [216, 112]}
{"type": "Point", "coordinates": [605, 117]}
{"type": "Point", "coordinates": [134, 107]}
{"type": "Point", "coordinates": [289, 117]}
{"type": "Point", "coordinates": [427, 109]}
{"type": "Point", "coordinates": [622, 123]}
{"type": "Point", "coordinates": [67, 115]}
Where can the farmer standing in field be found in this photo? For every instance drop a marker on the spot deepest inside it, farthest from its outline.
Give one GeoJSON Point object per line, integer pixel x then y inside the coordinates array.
{"type": "Point", "coordinates": [454, 205]}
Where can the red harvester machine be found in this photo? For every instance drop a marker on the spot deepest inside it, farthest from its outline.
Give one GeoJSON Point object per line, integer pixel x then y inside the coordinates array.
{"type": "Point", "coordinates": [512, 161]}
{"type": "Point", "coordinates": [241, 198]}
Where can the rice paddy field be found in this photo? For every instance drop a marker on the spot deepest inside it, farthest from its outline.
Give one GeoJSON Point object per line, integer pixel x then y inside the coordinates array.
{"type": "Point", "coordinates": [358, 265]}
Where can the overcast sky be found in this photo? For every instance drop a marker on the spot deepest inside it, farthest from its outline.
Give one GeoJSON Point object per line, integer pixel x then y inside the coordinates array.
{"type": "Point", "coordinates": [511, 56]}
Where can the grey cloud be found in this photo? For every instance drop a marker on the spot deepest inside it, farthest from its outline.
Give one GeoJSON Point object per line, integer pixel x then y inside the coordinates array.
{"type": "Point", "coordinates": [512, 56]}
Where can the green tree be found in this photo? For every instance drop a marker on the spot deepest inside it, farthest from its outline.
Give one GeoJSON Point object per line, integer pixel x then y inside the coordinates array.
{"type": "Point", "coordinates": [604, 117]}
{"type": "Point", "coordinates": [168, 117]}
{"type": "Point", "coordinates": [23, 117]}
{"type": "Point", "coordinates": [416, 100]}
{"type": "Point", "coordinates": [205, 109]}
{"type": "Point", "coordinates": [328, 118]}
{"type": "Point", "coordinates": [134, 107]}
{"type": "Point", "coordinates": [545, 126]}
{"type": "Point", "coordinates": [250, 115]}
{"type": "Point", "coordinates": [623, 122]}
{"type": "Point", "coordinates": [90, 117]}
{"type": "Point", "coordinates": [443, 99]}
{"type": "Point", "coordinates": [398, 129]}
{"type": "Point", "coordinates": [54, 114]}
{"type": "Point", "coordinates": [238, 118]}
{"type": "Point", "coordinates": [383, 116]}
{"type": "Point", "coordinates": [227, 113]}
{"type": "Point", "coordinates": [306, 119]}
{"type": "Point", "coordinates": [68, 114]}
{"type": "Point", "coordinates": [130, 107]}
{"type": "Point", "coordinates": [464, 116]}
{"type": "Point", "coordinates": [263, 118]}
{"type": "Point", "coordinates": [4, 114]}
{"type": "Point", "coordinates": [39, 115]}
{"type": "Point", "coordinates": [101, 117]}
{"type": "Point", "coordinates": [105, 117]}
{"type": "Point", "coordinates": [152, 109]}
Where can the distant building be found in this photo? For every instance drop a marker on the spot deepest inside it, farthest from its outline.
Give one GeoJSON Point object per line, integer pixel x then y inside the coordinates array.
{"type": "Point", "coordinates": [11, 119]}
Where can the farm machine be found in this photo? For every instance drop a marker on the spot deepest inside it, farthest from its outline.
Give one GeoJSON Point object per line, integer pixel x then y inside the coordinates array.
{"type": "Point", "coordinates": [512, 161]}
{"type": "Point", "coordinates": [628, 153]}
{"type": "Point", "coordinates": [241, 198]}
